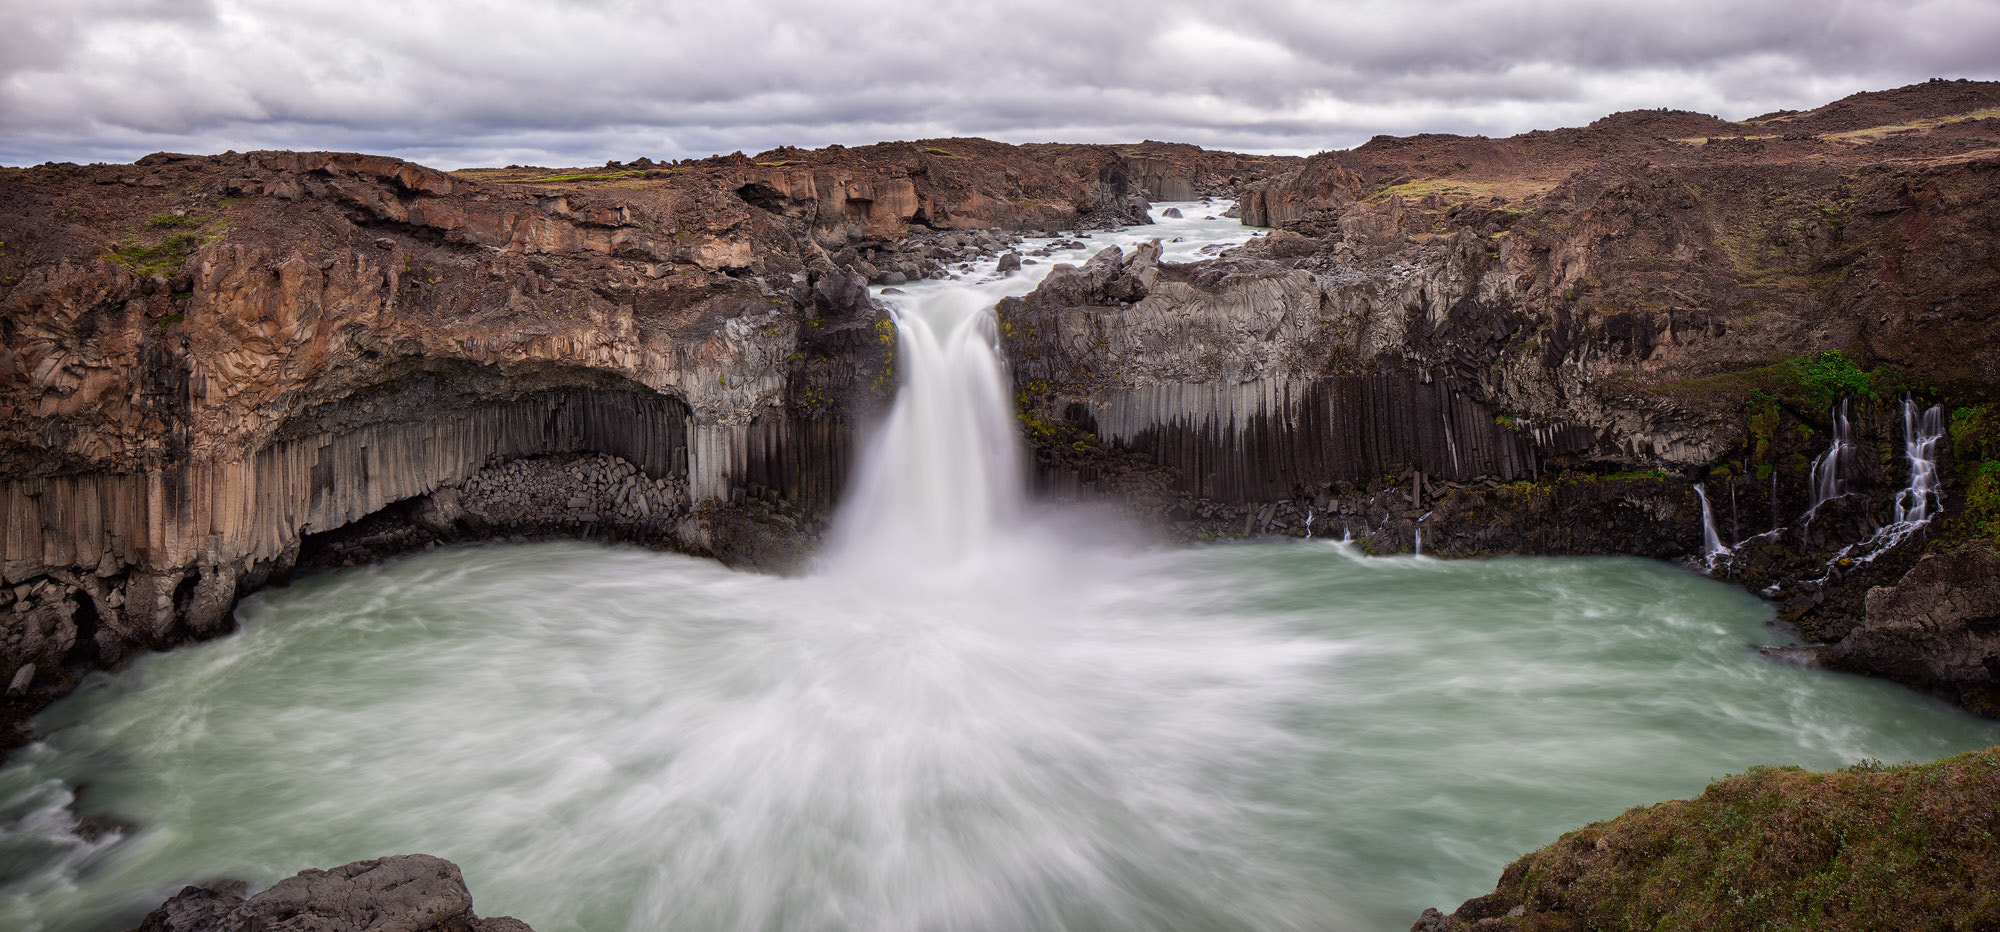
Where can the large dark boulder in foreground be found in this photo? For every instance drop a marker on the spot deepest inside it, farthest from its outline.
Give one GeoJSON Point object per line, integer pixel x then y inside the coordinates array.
{"type": "Point", "coordinates": [405, 893]}
{"type": "Point", "coordinates": [1910, 848]}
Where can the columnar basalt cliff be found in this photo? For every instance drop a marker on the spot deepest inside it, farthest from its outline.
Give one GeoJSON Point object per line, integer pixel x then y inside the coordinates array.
{"type": "Point", "coordinates": [215, 368]}
{"type": "Point", "coordinates": [1543, 343]}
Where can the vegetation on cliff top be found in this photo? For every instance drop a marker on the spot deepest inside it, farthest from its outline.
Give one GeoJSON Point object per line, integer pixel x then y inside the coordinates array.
{"type": "Point", "coordinates": [1915, 847]}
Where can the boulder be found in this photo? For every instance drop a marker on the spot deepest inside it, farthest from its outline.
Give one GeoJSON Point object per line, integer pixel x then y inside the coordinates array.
{"type": "Point", "coordinates": [405, 893]}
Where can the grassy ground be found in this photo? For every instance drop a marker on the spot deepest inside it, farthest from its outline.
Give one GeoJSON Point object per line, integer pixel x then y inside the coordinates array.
{"type": "Point", "coordinates": [1915, 847]}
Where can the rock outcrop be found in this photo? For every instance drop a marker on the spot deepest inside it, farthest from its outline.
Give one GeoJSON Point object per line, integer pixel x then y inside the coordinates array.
{"type": "Point", "coordinates": [1544, 343]}
{"type": "Point", "coordinates": [1937, 628]}
{"type": "Point", "coordinates": [215, 368]}
{"type": "Point", "coordinates": [405, 893]}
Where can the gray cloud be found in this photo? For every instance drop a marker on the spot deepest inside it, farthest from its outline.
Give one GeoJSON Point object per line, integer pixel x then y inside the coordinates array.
{"type": "Point", "coordinates": [472, 82]}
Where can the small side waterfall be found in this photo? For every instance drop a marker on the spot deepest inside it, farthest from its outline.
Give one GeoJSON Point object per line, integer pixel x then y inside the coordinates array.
{"type": "Point", "coordinates": [1915, 503]}
{"type": "Point", "coordinates": [1826, 481]}
{"type": "Point", "coordinates": [1712, 547]}
{"type": "Point", "coordinates": [1918, 502]}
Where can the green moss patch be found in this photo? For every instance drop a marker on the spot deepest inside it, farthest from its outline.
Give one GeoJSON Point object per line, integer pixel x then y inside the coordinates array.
{"type": "Point", "coordinates": [1974, 434]}
{"type": "Point", "coordinates": [1908, 848]}
{"type": "Point", "coordinates": [149, 257]}
{"type": "Point", "coordinates": [162, 244]}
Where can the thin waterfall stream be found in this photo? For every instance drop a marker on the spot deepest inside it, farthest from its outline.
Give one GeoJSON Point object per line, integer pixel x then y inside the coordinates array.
{"type": "Point", "coordinates": [975, 714]}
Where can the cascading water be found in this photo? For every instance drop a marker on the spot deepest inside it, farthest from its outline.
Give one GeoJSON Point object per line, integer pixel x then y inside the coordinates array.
{"type": "Point", "coordinates": [1916, 502]}
{"type": "Point", "coordinates": [1827, 471]}
{"type": "Point", "coordinates": [1712, 547]}
{"type": "Point", "coordinates": [944, 475]}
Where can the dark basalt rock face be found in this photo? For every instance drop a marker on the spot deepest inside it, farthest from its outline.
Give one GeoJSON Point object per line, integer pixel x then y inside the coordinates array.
{"type": "Point", "coordinates": [1936, 628]}
{"type": "Point", "coordinates": [405, 893]}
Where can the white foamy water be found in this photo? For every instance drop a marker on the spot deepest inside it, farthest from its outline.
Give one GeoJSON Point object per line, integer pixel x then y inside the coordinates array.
{"type": "Point", "coordinates": [1273, 736]}
{"type": "Point", "coordinates": [968, 720]}
{"type": "Point", "coordinates": [1917, 502]}
{"type": "Point", "coordinates": [1826, 481]}
{"type": "Point", "coordinates": [1712, 547]}
{"type": "Point", "coordinates": [941, 484]}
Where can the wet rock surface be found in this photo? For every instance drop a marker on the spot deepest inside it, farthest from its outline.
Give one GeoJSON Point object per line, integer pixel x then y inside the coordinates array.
{"type": "Point", "coordinates": [405, 893]}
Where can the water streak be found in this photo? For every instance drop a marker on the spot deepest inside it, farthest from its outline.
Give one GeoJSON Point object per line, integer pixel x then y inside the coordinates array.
{"type": "Point", "coordinates": [1826, 480]}
{"type": "Point", "coordinates": [1712, 547]}
{"type": "Point", "coordinates": [1916, 503]}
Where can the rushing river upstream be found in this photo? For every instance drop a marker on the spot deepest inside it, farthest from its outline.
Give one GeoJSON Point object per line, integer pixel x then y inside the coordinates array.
{"type": "Point", "coordinates": [973, 716]}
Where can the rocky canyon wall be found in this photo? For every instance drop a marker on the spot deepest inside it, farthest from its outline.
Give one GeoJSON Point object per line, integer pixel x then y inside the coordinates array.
{"type": "Point", "coordinates": [1545, 343]}
{"type": "Point", "coordinates": [215, 369]}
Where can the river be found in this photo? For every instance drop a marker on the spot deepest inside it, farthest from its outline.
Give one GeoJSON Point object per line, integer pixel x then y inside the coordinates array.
{"type": "Point", "coordinates": [974, 714]}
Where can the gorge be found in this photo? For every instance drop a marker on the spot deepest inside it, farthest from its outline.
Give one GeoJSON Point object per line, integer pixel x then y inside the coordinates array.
{"type": "Point", "coordinates": [1548, 344]}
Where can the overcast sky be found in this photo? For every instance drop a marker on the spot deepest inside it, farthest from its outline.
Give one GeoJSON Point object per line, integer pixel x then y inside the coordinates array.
{"type": "Point", "coordinates": [453, 83]}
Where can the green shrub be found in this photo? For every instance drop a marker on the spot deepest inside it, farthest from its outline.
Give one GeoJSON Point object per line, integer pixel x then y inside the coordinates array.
{"type": "Point", "coordinates": [1830, 376]}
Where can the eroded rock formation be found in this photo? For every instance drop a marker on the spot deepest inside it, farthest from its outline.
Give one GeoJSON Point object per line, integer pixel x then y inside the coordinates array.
{"type": "Point", "coordinates": [1543, 343]}
{"type": "Point", "coordinates": [212, 368]}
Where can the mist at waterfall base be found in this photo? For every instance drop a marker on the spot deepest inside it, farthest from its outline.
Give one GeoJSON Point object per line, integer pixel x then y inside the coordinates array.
{"type": "Point", "coordinates": [965, 720]}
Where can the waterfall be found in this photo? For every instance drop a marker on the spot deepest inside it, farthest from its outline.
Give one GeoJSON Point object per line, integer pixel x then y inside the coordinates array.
{"type": "Point", "coordinates": [1712, 546]}
{"type": "Point", "coordinates": [944, 475]}
{"type": "Point", "coordinates": [1918, 502]}
{"type": "Point", "coordinates": [1826, 471]}
{"type": "Point", "coordinates": [944, 478]}
{"type": "Point", "coordinates": [1915, 503]}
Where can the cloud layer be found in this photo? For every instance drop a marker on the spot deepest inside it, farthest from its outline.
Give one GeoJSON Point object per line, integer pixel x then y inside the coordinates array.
{"type": "Point", "coordinates": [571, 82]}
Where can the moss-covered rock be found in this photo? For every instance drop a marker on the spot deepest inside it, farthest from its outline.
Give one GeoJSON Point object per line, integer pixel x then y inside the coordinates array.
{"type": "Point", "coordinates": [1908, 848]}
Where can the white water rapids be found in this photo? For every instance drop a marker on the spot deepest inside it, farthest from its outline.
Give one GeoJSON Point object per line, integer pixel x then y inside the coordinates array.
{"type": "Point", "coordinates": [974, 717]}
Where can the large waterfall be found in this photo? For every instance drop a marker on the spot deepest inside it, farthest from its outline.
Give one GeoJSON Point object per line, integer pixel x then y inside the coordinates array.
{"type": "Point", "coordinates": [944, 475]}
{"type": "Point", "coordinates": [941, 483]}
